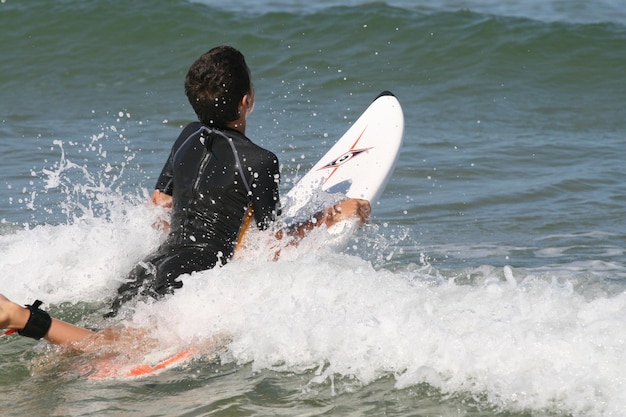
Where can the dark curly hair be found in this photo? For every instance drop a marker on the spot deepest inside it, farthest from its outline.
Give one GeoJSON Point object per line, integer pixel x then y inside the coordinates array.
{"type": "Point", "coordinates": [216, 83]}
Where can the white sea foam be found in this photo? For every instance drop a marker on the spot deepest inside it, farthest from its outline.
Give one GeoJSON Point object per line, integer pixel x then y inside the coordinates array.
{"type": "Point", "coordinates": [75, 262]}
{"type": "Point", "coordinates": [521, 339]}
{"type": "Point", "coordinates": [536, 338]}
{"type": "Point", "coordinates": [523, 342]}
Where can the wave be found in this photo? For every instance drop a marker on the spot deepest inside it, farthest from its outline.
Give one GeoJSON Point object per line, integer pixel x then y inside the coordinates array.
{"type": "Point", "coordinates": [520, 339]}
{"type": "Point", "coordinates": [548, 11]}
{"type": "Point", "coordinates": [355, 46]}
{"type": "Point", "coordinates": [516, 339]}
{"type": "Point", "coordinates": [539, 336]}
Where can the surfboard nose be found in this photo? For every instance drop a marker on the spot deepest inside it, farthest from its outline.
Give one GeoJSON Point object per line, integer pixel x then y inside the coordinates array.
{"type": "Point", "coordinates": [385, 93]}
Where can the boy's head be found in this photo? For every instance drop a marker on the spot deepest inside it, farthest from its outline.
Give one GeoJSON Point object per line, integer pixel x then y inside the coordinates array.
{"type": "Point", "coordinates": [215, 85]}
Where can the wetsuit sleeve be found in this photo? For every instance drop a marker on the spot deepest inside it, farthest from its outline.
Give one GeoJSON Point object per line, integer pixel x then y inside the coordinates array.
{"type": "Point", "coordinates": [265, 196]}
{"type": "Point", "coordinates": [165, 183]}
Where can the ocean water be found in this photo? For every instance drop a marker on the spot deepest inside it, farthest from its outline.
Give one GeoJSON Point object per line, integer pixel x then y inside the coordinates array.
{"type": "Point", "coordinates": [490, 281]}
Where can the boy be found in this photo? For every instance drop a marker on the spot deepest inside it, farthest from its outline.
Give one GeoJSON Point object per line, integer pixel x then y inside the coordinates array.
{"type": "Point", "coordinates": [214, 181]}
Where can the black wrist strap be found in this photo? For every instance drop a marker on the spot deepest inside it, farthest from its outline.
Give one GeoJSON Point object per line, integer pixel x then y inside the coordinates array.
{"type": "Point", "coordinates": [38, 323]}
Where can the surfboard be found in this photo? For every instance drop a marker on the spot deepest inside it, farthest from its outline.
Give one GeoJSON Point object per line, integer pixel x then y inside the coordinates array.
{"type": "Point", "coordinates": [358, 165]}
{"type": "Point", "coordinates": [152, 364]}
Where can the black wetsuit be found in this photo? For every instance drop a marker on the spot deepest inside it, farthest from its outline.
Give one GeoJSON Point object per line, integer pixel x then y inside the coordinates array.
{"type": "Point", "coordinates": [213, 177]}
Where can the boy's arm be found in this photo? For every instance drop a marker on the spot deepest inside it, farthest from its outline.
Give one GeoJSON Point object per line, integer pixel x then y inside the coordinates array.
{"type": "Point", "coordinates": [14, 316]}
{"type": "Point", "coordinates": [351, 208]}
{"type": "Point", "coordinates": [161, 199]}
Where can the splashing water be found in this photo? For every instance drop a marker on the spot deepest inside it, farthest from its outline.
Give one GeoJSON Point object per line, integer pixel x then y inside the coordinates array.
{"type": "Point", "coordinates": [514, 338]}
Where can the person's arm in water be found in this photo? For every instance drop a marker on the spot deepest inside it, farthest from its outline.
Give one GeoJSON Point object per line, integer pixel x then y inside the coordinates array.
{"type": "Point", "coordinates": [351, 208]}
{"type": "Point", "coordinates": [17, 318]}
{"type": "Point", "coordinates": [32, 322]}
{"type": "Point", "coordinates": [161, 199]}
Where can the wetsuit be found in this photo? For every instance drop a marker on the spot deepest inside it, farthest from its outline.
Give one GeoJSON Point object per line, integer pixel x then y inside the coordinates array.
{"type": "Point", "coordinates": [213, 176]}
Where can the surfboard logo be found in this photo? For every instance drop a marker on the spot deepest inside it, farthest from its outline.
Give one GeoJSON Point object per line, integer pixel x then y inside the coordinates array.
{"type": "Point", "coordinates": [351, 153]}
{"type": "Point", "coordinates": [347, 156]}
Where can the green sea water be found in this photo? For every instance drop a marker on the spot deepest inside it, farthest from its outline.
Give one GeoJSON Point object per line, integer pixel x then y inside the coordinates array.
{"type": "Point", "coordinates": [489, 282]}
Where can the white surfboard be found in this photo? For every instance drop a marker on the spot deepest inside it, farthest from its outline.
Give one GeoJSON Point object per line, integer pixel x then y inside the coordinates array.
{"type": "Point", "coordinates": [359, 165]}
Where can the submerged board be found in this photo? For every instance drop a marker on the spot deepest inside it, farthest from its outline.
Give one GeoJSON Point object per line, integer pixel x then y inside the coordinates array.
{"type": "Point", "coordinates": [359, 164]}
{"type": "Point", "coordinates": [114, 368]}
